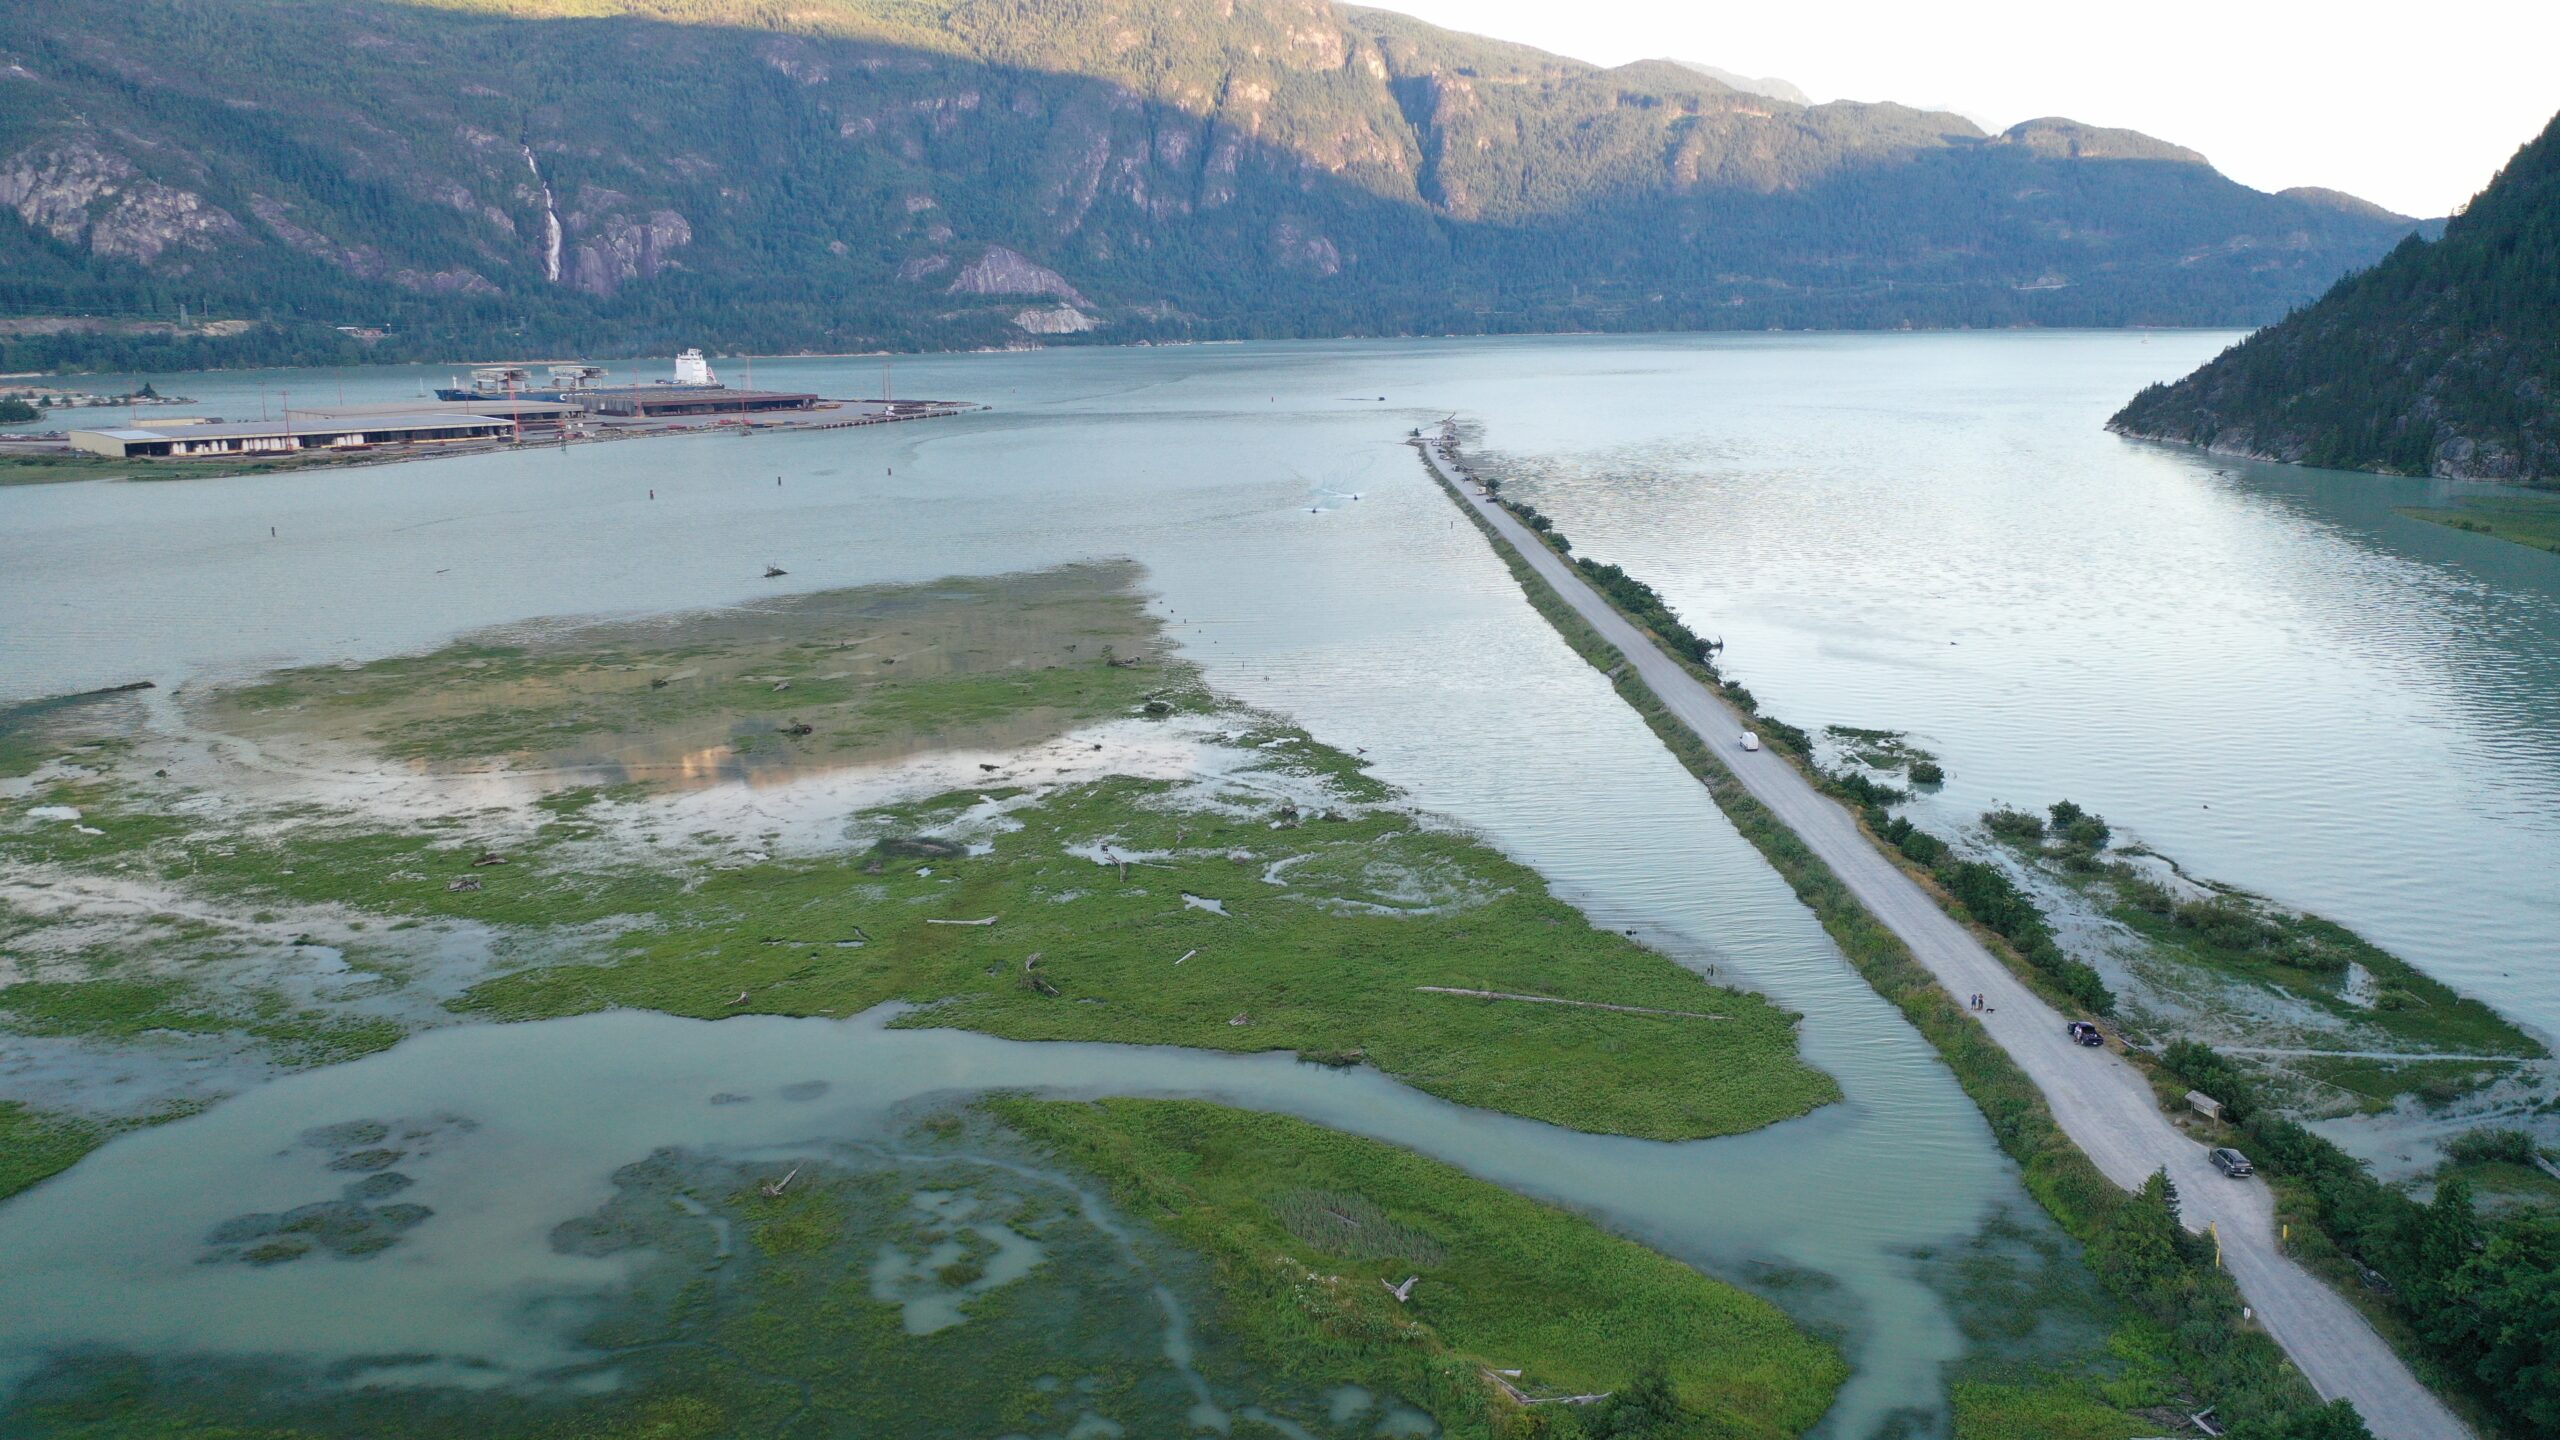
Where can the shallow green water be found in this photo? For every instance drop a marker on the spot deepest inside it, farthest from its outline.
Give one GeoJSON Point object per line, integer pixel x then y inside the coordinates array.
{"type": "Point", "coordinates": [469, 1171]}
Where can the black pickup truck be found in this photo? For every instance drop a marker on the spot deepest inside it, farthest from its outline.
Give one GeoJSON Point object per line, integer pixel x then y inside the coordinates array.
{"type": "Point", "coordinates": [2086, 1033]}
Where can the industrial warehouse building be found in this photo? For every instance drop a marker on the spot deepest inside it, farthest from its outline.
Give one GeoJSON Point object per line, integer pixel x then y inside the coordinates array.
{"type": "Point", "coordinates": [301, 432]}
{"type": "Point", "coordinates": [668, 402]}
{"type": "Point", "coordinates": [543, 415]}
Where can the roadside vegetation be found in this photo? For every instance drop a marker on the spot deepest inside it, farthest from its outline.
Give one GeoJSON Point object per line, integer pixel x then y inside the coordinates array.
{"type": "Point", "coordinates": [2477, 1294]}
{"type": "Point", "coordinates": [2011, 920]}
{"type": "Point", "coordinates": [1987, 896]}
{"type": "Point", "coordinates": [1307, 1232]}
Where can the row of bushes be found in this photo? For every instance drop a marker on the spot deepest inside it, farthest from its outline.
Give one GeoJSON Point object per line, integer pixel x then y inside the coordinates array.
{"type": "Point", "coordinates": [1992, 898]}
{"type": "Point", "coordinates": [2145, 1255]}
{"type": "Point", "coordinates": [1637, 600]}
{"type": "Point", "coordinates": [1985, 891]}
{"type": "Point", "coordinates": [1645, 605]}
{"type": "Point", "coordinates": [2484, 1298]}
{"type": "Point", "coordinates": [1530, 516]}
{"type": "Point", "coordinates": [1862, 790]}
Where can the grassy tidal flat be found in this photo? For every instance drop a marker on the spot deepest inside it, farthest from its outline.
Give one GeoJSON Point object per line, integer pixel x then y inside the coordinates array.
{"type": "Point", "coordinates": [2522, 519]}
{"type": "Point", "coordinates": [1310, 1233]}
{"type": "Point", "coordinates": [995, 802]}
{"type": "Point", "coordinates": [2333, 1023]}
{"type": "Point", "coordinates": [55, 467]}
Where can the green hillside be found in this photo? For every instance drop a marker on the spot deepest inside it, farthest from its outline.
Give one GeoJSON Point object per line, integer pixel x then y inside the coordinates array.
{"type": "Point", "coordinates": [843, 174]}
{"type": "Point", "coordinates": [2444, 359]}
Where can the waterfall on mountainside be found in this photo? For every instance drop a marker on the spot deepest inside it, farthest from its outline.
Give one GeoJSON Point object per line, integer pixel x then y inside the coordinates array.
{"type": "Point", "coordinates": [550, 219]}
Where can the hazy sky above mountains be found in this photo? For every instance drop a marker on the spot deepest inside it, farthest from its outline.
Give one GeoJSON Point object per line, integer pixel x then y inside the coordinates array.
{"type": "Point", "coordinates": [2410, 106]}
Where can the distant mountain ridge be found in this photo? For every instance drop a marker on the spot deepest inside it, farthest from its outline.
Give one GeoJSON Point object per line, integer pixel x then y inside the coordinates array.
{"type": "Point", "coordinates": [2444, 359]}
{"type": "Point", "coordinates": [1769, 85]}
{"type": "Point", "coordinates": [441, 176]}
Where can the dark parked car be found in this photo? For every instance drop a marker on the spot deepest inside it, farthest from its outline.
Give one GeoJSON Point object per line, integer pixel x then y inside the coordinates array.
{"type": "Point", "coordinates": [2085, 1033]}
{"type": "Point", "coordinates": [2231, 1162]}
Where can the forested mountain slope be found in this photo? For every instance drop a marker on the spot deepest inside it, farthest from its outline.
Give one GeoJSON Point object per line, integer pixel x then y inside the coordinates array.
{"type": "Point", "coordinates": [843, 174]}
{"type": "Point", "coordinates": [2442, 360]}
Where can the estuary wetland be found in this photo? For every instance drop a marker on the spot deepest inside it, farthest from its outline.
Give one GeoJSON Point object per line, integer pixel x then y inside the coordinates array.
{"type": "Point", "coordinates": [991, 804]}
{"type": "Point", "coordinates": [1138, 891]}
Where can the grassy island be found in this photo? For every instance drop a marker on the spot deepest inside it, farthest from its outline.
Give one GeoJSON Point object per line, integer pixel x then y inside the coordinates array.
{"type": "Point", "coordinates": [591, 811]}
{"type": "Point", "coordinates": [1308, 1233]}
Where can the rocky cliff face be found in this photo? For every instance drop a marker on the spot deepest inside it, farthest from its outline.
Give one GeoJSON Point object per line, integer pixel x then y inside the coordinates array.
{"type": "Point", "coordinates": [91, 198]}
{"type": "Point", "coordinates": [611, 242]}
{"type": "Point", "coordinates": [873, 172]}
{"type": "Point", "coordinates": [1005, 272]}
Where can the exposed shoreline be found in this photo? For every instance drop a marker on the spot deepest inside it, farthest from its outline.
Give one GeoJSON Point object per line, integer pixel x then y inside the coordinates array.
{"type": "Point", "coordinates": [2229, 451]}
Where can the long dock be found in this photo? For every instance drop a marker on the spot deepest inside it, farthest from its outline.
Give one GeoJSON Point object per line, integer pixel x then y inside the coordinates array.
{"type": "Point", "coordinates": [2101, 1101]}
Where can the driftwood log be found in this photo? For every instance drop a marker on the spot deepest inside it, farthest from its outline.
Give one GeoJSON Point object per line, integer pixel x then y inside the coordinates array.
{"type": "Point", "coordinates": [1559, 1000]}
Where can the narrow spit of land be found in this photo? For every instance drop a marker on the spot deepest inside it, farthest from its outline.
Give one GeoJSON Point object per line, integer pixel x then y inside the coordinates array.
{"type": "Point", "coordinates": [2098, 1098]}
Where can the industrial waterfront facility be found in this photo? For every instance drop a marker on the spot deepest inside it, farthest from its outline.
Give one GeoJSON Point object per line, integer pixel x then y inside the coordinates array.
{"type": "Point", "coordinates": [504, 403]}
{"type": "Point", "coordinates": [302, 430]}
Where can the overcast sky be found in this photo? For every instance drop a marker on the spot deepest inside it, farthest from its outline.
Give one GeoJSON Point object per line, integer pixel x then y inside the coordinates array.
{"type": "Point", "coordinates": [2414, 106]}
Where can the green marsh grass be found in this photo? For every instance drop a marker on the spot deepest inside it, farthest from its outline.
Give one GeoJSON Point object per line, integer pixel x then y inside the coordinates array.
{"type": "Point", "coordinates": [1517, 1284]}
